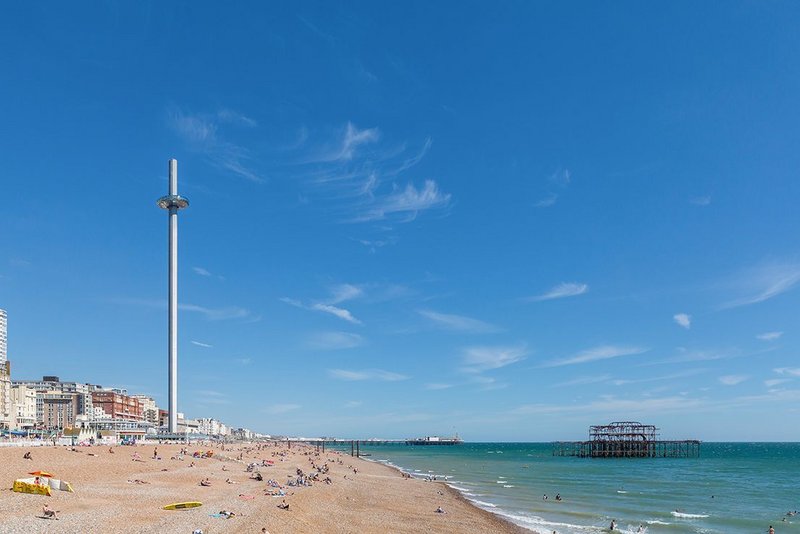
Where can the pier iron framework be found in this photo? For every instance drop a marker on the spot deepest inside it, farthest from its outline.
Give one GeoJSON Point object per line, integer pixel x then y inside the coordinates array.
{"type": "Point", "coordinates": [627, 439]}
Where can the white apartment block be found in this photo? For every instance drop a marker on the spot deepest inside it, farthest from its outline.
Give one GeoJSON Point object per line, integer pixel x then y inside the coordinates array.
{"type": "Point", "coordinates": [149, 408]}
{"type": "Point", "coordinates": [24, 400]}
{"type": "Point", "coordinates": [52, 383]}
{"type": "Point", "coordinates": [3, 336]}
{"type": "Point", "coordinates": [6, 406]}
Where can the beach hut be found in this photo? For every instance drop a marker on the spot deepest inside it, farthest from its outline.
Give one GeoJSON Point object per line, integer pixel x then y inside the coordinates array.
{"type": "Point", "coordinates": [41, 483]}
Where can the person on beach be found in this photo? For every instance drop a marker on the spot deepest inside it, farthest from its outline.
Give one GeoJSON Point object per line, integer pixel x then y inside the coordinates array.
{"type": "Point", "coordinates": [558, 496]}
{"type": "Point", "coordinates": [27, 456]}
{"type": "Point", "coordinates": [283, 505]}
{"type": "Point", "coordinates": [205, 482]}
{"type": "Point", "coordinates": [613, 525]}
{"type": "Point", "coordinates": [440, 511]}
{"type": "Point", "coordinates": [48, 513]}
{"type": "Point", "coordinates": [771, 530]}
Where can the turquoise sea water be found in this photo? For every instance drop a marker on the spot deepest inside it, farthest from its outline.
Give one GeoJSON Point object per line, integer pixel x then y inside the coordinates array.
{"type": "Point", "coordinates": [753, 486]}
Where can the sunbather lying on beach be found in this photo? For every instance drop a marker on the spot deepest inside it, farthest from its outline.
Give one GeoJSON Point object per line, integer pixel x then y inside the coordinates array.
{"type": "Point", "coordinates": [284, 505]}
{"type": "Point", "coordinates": [48, 513]}
{"type": "Point", "coordinates": [205, 482]}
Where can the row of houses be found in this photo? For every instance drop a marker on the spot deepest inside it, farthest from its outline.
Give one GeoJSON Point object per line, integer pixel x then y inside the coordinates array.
{"type": "Point", "coordinates": [52, 405]}
{"type": "Point", "coordinates": [55, 407]}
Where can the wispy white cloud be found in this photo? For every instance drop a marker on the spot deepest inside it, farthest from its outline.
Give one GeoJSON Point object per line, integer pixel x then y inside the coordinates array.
{"type": "Point", "coordinates": [217, 314]}
{"type": "Point", "coordinates": [732, 380]}
{"type": "Point", "coordinates": [212, 314]}
{"type": "Point", "coordinates": [367, 374]}
{"type": "Point", "coordinates": [566, 289]}
{"type": "Point", "coordinates": [435, 386]}
{"type": "Point", "coordinates": [769, 336]}
{"type": "Point", "coordinates": [336, 311]}
{"type": "Point", "coordinates": [231, 116]}
{"type": "Point", "coordinates": [771, 383]}
{"type": "Point", "coordinates": [584, 380]}
{"type": "Point", "coordinates": [344, 292]}
{"type": "Point", "coordinates": [406, 203]}
{"type": "Point", "coordinates": [199, 344]}
{"type": "Point", "coordinates": [243, 361]}
{"type": "Point", "coordinates": [603, 352]}
{"type": "Point", "coordinates": [615, 407]}
{"type": "Point", "coordinates": [458, 323]}
{"type": "Point", "coordinates": [362, 178]}
{"type": "Point", "coordinates": [201, 271]}
{"type": "Point", "coordinates": [764, 282]}
{"type": "Point", "coordinates": [278, 409]}
{"type": "Point", "coordinates": [788, 371]}
{"type": "Point", "coordinates": [660, 378]}
{"type": "Point", "coordinates": [352, 404]}
{"type": "Point", "coordinates": [334, 340]}
{"type": "Point", "coordinates": [353, 138]}
{"type": "Point", "coordinates": [488, 383]}
{"type": "Point", "coordinates": [341, 313]}
{"type": "Point", "coordinates": [479, 359]}
{"type": "Point", "coordinates": [561, 178]}
{"type": "Point", "coordinates": [701, 200]}
{"type": "Point", "coordinates": [683, 319]}
{"type": "Point", "coordinates": [200, 132]}
{"type": "Point", "coordinates": [547, 201]}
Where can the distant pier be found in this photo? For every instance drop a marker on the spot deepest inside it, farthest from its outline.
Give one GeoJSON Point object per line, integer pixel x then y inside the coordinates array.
{"type": "Point", "coordinates": [627, 439]}
{"type": "Point", "coordinates": [355, 444]}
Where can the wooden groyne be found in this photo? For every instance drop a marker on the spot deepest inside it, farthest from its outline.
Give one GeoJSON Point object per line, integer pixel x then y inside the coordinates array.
{"type": "Point", "coordinates": [627, 439]}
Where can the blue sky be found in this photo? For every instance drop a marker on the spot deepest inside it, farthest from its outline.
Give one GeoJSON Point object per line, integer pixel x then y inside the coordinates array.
{"type": "Point", "coordinates": [507, 221]}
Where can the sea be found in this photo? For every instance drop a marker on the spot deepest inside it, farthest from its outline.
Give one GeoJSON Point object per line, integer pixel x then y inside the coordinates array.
{"type": "Point", "coordinates": [731, 488]}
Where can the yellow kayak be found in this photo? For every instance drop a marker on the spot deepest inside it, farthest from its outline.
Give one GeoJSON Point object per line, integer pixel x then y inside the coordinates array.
{"type": "Point", "coordinates": [182, 505]}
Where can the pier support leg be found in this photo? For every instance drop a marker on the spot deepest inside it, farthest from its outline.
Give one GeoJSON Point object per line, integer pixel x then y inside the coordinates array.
{"type": "Point", "coordinates": [358, 450]}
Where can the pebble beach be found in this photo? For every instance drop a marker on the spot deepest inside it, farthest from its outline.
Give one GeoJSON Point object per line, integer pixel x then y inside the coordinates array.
{"type": "Point", "coordinates": [127, 489]}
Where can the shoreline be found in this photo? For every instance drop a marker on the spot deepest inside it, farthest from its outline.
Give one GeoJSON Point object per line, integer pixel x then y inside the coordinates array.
{"type": "Point", "coordinates": [125, 491]}
{"type": "Point", "coordinates": [456, 494]}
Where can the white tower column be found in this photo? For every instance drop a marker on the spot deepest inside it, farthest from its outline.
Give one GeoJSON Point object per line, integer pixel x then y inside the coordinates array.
{"type": "Point", "coordinates": [173, 203]}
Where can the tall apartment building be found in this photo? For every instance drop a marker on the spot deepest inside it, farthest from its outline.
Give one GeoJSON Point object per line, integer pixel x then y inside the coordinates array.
{"type": "Point", "coordinates": [149, 408]}
{"type": "Point", "coordinates": [59, 410]}
{"type": "Point", "coordinates": [6, 406]}
{"type": "Point", "coordinates": [212, 427]}
{"type": "Point", "coordinates": [118, 406]}
{"type": "Point", "coordinates": [3, 336]}
{"type": "Point", "coordinates": [52, 383]}
{"type": "Point", "coordinates": [24, 401]}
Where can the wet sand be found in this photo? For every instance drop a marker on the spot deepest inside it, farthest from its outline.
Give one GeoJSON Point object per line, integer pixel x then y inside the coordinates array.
{"type": "Point", "coordinates": [376, 499]}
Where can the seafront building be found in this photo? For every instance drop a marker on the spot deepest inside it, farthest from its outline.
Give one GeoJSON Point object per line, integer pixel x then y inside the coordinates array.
{"type": "Point", "coordinates": [24, 400]}
{"type": "Point", "coordinates": [149, 408]}
{"type": "Point", "coordinates": [118, 405]}
{"type": "Point", "coordinates": [59, 409]}
{"type": "Point", "coordinates": [6, 405]}
{"type": "Point", "coordinates": [53, 384]}
{"type": "Point", "coordinates": [3, 336]}
{"type": "Point", "coordinates": [84, 411]}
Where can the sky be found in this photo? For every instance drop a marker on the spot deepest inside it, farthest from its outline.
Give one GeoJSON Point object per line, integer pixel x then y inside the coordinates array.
{"type": "Point", "coordinates": [504, 220]}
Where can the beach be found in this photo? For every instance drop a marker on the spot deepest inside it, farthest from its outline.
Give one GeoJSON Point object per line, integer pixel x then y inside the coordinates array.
{"type": "Point", "coordinates": [126, 490]}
